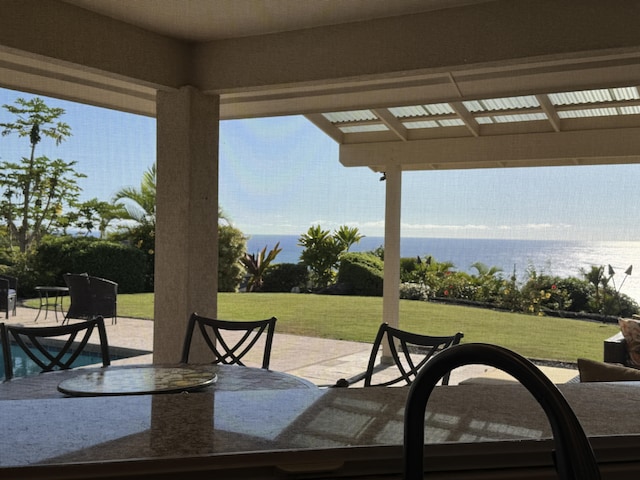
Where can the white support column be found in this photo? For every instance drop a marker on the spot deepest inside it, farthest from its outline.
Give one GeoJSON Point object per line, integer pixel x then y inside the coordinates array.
{"type": "Point", "coordinates": [391, 292]}
{"type": "Point", "coordinates": [186, 278]}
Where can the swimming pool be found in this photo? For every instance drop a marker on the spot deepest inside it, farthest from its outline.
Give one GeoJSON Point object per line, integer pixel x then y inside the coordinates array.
{"type": "Point", "coordinates": [23, 366]}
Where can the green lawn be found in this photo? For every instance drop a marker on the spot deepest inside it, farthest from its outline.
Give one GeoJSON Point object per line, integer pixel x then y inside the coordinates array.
{"type": "Point", "coordinates": [358, 318]}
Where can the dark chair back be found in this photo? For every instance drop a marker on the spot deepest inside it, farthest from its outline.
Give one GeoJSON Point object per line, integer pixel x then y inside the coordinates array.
{"type": "Point", "coordinates": [6, 353]}
{"type": "Point", "coordinates": [574, 458]}
{"type": "Point", "coordinates": [409, 351]}
{"type": "Point", "coordinates": [91, 297]}
{"type": "Point", "coordinates": [36, 342]}
{"type": "Point", "coordinates": [8, 294]}
{"type": "Point", "coordinates": [230, 341]}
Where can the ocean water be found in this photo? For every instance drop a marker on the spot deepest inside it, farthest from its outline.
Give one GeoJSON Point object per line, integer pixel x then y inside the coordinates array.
{"type": "Point", "coordinates": [562, 258]}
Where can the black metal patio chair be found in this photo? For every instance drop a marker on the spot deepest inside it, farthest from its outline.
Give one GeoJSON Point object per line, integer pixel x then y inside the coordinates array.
{"type": "Point", "coordinates": [229, 340]}
{"type": "Point", "coordinates": [6, 353]}
{"type": "Point", "coordinates": [409, 353]}
{"type": "Point", "coordinates": [54, 348]}
{"type": "Point", "coordinates": [8, 294]}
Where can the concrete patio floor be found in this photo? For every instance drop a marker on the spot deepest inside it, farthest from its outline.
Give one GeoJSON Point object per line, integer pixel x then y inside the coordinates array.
{"type": "Point", "coordinates": [321, 361]}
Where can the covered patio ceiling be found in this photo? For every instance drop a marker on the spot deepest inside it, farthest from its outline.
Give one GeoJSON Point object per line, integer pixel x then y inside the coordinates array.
{"type": "Point", "coordinates": [546, 104]}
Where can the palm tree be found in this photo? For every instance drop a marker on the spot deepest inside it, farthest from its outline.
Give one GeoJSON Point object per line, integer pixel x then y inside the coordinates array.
{"type": "Point", "coordinates": [347, 236]}
{"type": "Point", "coordinates": [488, 282]}
{"type": "Point", "coordinates": [597, 278]}
{"type": "Point", "coordinates": [140, 204]}
{"type": "Point", "coordinates": [485, 271]}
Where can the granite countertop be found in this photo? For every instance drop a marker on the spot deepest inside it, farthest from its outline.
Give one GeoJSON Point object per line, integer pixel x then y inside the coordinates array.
{"type": "Point", "coordinates": [223, 424]}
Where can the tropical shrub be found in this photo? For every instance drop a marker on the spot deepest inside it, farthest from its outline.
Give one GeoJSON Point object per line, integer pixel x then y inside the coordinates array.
{"type": "Point", "coordinates": [454, 285]}
{"type": "Point", "coordinates": [409, 265]}
{"type": "Point", "coordinates": [510, 297]}
{"type": "Point", "coordinates": [542, 292]}
{"type": "Point", "coordinates": [142, 237]}
{"type": "Point", "coordinates": [487, 283]}
{"type": "Point", "coordinates": [22, 267]}
{"type": "Point", "coordinates": [579, 291]}
{"type": "Point", "coordinates": [626, 306]}
{"type": "Point", "coordinates": [257, 265]}
{"type": "Point", "coordinates": [362, 273]}
{"type": "Point", "coordinates": [414, 291]}
{"type": "Point", "coordinates": [284, 277]}
{"type": "Point", "coordinates": [232, 245]}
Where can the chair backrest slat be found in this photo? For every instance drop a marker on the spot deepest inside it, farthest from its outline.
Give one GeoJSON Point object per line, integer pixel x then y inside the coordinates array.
{"type": "Point", "coordinates": [6, 353]}
{"type": "Point", "coordinates": [220, 336]}
{"type": "Point", "coordinates": [409, 351]}
{"type": "Point", "coordinates": [33, 341]}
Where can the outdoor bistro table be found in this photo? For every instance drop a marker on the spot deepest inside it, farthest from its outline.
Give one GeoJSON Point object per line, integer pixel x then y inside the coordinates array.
{"type": "Point", "coordinates": [255, 423]}
{"type": "Point", "coordinates": [148, 379]}
{"type": "Point", "coordinates": [51, 297]}
{"type": "Point", "coordinates": [142, 380]}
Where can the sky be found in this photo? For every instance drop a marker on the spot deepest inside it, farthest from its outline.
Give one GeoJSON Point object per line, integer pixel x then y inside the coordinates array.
{"type": "Point", "coordinates": [282, 175]}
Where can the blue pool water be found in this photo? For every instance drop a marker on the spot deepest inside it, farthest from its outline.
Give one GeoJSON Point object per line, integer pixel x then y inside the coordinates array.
{"type": "Point", "coordinates": [24, 366]}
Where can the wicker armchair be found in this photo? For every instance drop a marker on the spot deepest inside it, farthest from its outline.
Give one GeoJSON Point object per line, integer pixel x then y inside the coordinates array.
{"type": "Point", "coordinates": [91, 297]}
{"type": "Point", "coordinates": [8, 294]}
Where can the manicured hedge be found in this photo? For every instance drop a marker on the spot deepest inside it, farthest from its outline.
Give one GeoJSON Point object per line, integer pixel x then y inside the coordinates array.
{"type": "Point", "coordinates": [283, 277]}
{"type": "Point", "coordinates": [362, 273]}
{"type": "Point", "coordinates": [122, 264]}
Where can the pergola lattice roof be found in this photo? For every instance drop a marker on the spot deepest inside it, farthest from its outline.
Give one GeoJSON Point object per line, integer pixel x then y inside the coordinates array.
{"type": "Point", "coordinates": [552, 112]}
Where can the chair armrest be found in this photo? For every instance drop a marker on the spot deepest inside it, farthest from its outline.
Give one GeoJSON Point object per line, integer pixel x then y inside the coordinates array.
{"type": "Point", "coordinates": [346, 382]}
{"type": "Point", "coordinates": [615, 349]}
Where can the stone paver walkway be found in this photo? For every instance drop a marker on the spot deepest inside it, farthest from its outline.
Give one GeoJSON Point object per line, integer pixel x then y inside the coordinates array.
{"type": "Point", "coordinates": [322, 361]}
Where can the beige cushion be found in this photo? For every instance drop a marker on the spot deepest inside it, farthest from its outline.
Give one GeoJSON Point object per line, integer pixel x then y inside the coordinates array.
{"type": "Point", "coordinates": [593, 371]}
{"type": "Point", "coordinates": [630, 328]}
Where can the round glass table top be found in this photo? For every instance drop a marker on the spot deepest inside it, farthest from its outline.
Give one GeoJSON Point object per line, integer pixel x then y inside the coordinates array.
{"type": "Point", "coordinates": [140, 380]}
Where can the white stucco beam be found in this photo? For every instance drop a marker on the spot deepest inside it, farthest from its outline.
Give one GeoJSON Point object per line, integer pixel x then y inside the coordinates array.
{"type": "Point", "coordinates": [471, 82]}
{"type": "Point", "coordinates": [326, 126]}
{"type": "Point", "coordinates": [487, 33]}
{"type": "Point", "coordinates": [70, 36]}
{"type": "Point", "coordinates": [41, 78]}
{"type": "Point", "coordinates": [528, 150]}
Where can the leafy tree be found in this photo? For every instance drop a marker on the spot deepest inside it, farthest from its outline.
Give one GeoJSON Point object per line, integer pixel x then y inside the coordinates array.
{"type": "Point", "coordinates": [257, 264]}
{"type": "Point", "coordinates": [36, 189]}
{"type": "Point", "coordinates": [96, 215]}
{"type": "Point", "coordinates": [92, 215]}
